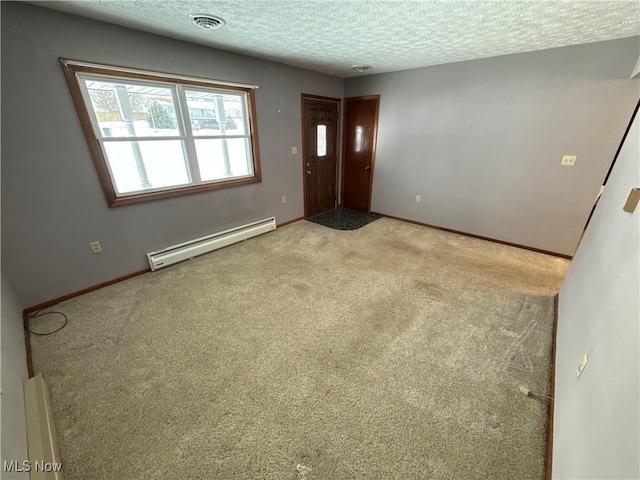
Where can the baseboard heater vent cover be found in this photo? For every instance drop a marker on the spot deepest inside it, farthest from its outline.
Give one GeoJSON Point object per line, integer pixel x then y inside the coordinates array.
{"type": "Point", "coordinates": [198, 246]}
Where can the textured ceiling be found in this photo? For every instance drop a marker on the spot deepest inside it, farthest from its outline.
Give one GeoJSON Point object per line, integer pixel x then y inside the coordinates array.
{"type": "Point", "coordinates": [332, 36]}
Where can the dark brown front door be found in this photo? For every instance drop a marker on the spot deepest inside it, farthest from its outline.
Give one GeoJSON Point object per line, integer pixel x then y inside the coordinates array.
{"type": "Point", "coordinates": [320, 137]}
{"type": "Point", "coordinates": [361, 128]}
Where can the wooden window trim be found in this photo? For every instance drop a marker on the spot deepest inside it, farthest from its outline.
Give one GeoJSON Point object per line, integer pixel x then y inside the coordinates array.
{"type": "Point", "coordinates": [70, 71]}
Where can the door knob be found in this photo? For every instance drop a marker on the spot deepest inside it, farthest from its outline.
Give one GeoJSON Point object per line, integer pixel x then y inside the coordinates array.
{"type": "Point", "coordinates": [368, 167]}
{"type": "Point", "coordinates": [308, 172]}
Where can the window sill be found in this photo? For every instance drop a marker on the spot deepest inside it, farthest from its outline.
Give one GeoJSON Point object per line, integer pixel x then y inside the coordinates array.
{"type": "Point", "coordinates": [114, 201]}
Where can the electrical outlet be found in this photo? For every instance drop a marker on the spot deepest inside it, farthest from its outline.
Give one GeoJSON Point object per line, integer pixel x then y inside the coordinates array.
{"type": "Point", "coordinates": [95, 247]}
{"type": "Point", "coordinates": [583, 364]}
{"type": "Point", "coordinates": [569, 160]}
{"type": "Point", "coordinates": [418, 198]}
{"type": "Point", "coordinates": [284, 199]}
{"type": "Point", "coordinates": [294, 150]}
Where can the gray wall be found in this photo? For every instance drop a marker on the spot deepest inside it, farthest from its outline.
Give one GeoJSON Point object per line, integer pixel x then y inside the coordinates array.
{"type": "Point", "coordinates": [597, 417]}
{"type": "Point", "coordinates": [482, 141]}
{"type": "Point", "coordinates": [52, 202]}
{"type": "Point", "coordinates": [14, 372]}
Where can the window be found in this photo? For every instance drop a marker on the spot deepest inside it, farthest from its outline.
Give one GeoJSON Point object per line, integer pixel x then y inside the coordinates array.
{"type": "Point", "coordinates": [321, 140]}
{"type": "Point", "coordinates": [155, 135]}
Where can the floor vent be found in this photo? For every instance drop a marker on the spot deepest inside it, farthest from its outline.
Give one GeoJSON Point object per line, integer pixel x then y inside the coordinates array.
{"type": "Point", "coordinates": [198, 246]}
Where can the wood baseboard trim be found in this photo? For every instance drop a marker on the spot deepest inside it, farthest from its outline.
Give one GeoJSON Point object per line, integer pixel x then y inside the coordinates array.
{"type": "Point", "coordinates": [27, 343]}
{"type": "Point", "coordinates": [552, 394]}
{"type": "Point", "coordinates": [55, 301]}
{"type": "Point", "coordinates": [472, 235]}
{"type": "Point", "coordinates": [289, 222]}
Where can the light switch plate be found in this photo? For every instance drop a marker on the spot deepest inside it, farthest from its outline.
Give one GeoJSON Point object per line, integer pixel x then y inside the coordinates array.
{"type": "Point", "coordinates": [569, 160]}
{"type": "Point", "coordinates": [294, 150]}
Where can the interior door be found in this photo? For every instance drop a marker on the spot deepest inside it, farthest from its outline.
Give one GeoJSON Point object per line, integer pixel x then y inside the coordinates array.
{"type": "Point", "coordinates": [361, 129]}
{"type": "Point", "coordinates": [320, 157]}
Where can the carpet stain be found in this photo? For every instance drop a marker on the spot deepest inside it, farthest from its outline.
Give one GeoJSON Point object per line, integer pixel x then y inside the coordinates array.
{"type": "Point", "coordinates": [430, 288]}
{"type": "Point", "coordinates": [303, 471]}
{"type": "Point", "coordinates": [404, 247]}
{"type": "Point", "coordinates": [301, 288]}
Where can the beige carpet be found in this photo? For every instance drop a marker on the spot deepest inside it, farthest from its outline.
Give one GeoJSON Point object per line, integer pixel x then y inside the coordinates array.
{"type": "Point", "coordinates": [390, 352]}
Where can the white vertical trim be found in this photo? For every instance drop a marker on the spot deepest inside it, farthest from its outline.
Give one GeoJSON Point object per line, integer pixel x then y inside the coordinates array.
{"type": "Point", "coordinates": [41, 433]}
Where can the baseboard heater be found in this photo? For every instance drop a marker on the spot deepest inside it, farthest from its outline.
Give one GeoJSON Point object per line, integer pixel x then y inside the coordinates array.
{"type": "Point", "coordinates": [198, 246]}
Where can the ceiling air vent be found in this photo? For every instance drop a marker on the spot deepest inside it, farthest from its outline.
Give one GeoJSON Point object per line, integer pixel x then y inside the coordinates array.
{"type": "Point", "coordinates": [208, 22]}
{"type": "Point", "coordinates": [361, 68]}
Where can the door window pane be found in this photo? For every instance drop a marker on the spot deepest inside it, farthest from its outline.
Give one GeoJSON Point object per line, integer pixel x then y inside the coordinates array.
{"type": "Point", "coordinates": [213, 113]}
{"type": "Point", "coordinates": [359, 139]}
{"type": "Point", "coordinates": [129, 110]}
{"type": "Point", "coordinates": [223, 158]}
{"type": "Point", "coordinates": [321, 140]}
{"type": "Point", "coordinates": [146, 165]}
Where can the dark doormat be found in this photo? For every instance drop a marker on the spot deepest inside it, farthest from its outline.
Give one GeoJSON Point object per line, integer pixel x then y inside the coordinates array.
{"type": "Point", "coordinates": [344, 219]}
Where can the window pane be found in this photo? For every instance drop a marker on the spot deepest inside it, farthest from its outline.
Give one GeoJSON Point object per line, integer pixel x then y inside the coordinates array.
{"type": "Point", "coordinates": [219, 158]}
{"type": "Point", "coordinates": [213, 113]}
{"type": "Point", "coordinates": [147, 165]}
{"type": "Point", "coordinates": [127, 110]}
{"type": "Point", "coordinates": [321, 140]}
